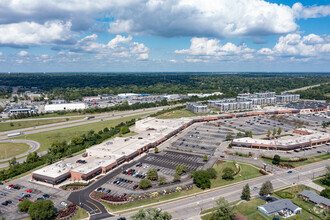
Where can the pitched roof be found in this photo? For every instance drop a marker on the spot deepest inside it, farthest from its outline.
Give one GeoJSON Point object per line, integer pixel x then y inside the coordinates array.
{"type": "Point", "coordinates": [279, 205]}
{"type": "Point", "coordinates": [316, 198]}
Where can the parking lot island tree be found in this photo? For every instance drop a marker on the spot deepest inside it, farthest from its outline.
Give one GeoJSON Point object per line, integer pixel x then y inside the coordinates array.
{"type": "Point", "coordinates": [205, 158]}
{"type": "Point", "coordinates": [202, 179]}
{"type": "Point", "coordinates": [24, 205]}
{"type": "Point", "coordinates": [145, 184]}
{"type": "Point", "coordinates": [176, 178]}
{"type": "Point", "coordinates": [42, 210]}
{"type": "Point", "coordinates": [152, 174]}
{"type": "Point", "coordinates": [268, 132]}
{"type": "Point", "coordinates": [276, 160]}
{"type": "Point", "coordinates": [279, 131]}
{"type": "Point", "coordinates": [274, 131]}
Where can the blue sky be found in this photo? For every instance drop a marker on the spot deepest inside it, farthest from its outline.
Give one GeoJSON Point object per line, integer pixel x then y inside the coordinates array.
{"type": "Point", "coordinates": [164, 35]}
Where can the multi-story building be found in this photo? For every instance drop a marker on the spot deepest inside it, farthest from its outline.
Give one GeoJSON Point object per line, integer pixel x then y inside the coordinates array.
{"type": "Point", "coordinates": [287, 98]}
{"type": "Point", "coordinates": [196, 107]}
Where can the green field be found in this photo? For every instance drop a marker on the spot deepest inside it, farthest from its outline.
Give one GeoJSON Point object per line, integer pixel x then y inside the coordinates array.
{"type": "Point", "coordinates": [309, 160]}
{"type": "Point", "coordinates": [177, 114]}
{"type": "Point", "coordinates": [8, 126]}
{"type": "Point", "coordinates": [48, 137]}
{"type": "Point", "coordinates": [9, 149]}
{"type": "Point", "coordinates": [247, 172]}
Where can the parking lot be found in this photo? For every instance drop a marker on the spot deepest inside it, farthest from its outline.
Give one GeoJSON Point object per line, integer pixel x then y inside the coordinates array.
{"type": "Point", "coordinates": [165, 162]}
{"type": "Point", "coordinates": [203, 139]}
{"type": "Point", "coordinates": [35, 191]}
{"type": "Point", "coordinates": [258, 125]}
{"type": "Point", "coordinates": [310, 119]}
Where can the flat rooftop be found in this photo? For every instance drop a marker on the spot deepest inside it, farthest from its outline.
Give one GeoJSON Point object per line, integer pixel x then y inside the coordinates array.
{"type": "Point", "coordinates": [287, 140]}
{"type": "Point", "coordinates": [55, 170]}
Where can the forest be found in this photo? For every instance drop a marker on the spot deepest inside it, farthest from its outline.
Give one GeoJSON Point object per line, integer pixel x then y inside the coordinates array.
{"type": "Point", "coordinates": [321, 92]}
{"type": "Point", "coordinates": [71, 86]}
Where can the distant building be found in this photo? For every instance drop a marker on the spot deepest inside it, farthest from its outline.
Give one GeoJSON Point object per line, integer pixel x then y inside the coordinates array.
{"type": "Point", "coordinates": [282, 207]}
{"type": "Point", "coordinates": [315, 198]}
{"type": "Point", "coordinates": [230, 104]}
{"type": "Point", "coordinates": [287, 98]}
{"type": "Point", "coordinates": [58, 101]}
{"type": "Point", "coordinates": [196, 107]}
{"type": "Point", "coordinates": [91, 98]}
{"type": "Point", "coordinates": [19, 109]}
{"type": "Point", "coordinates": [64, 107]}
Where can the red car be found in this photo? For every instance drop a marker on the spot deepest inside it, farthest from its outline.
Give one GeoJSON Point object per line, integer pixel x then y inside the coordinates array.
{"type": "Point", "coordinates": [20, 199]}
{"type": "Point", "coordinates": [29, 191]}
{"type": "Point", "coordinates": [11, 185]}
{"type": "Point", "coordinates": [231, 122]}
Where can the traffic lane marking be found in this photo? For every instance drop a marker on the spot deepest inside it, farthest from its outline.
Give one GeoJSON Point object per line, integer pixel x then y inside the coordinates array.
{"type": "Point", "coordinates": [94, 205]}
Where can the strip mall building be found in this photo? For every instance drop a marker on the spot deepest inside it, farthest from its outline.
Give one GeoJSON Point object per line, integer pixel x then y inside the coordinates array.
{"type": "Point", "coordinates": [106, 156]}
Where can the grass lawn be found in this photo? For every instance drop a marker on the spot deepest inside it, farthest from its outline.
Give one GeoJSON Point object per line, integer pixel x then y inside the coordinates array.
{"type": "Point", "coordinates": [318, 182]}
{"type": "Point", "coordinates": [8, 126]}
{"type": "Point", "coordinates": [48, 137]}
{"type": "Point", "coordinates": [250, 208]}
{"type": "Point", "coordinates": [81, 214]}
{"type": "Point", "coordinates": [311, 159]}
{"type": "Point", "coordinates": [247, 172]}
{"type": "Point", "coordinates": [9, 149]}
{"type": "Point", "coordinates": [177, 114]}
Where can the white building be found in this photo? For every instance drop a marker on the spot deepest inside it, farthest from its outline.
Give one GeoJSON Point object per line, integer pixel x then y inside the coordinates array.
{"type": "Point", "coordinates": [64, 107]}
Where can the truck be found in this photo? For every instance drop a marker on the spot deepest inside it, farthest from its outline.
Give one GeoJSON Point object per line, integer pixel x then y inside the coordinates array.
{"type": "Point", "coordinates": [90, 117]}
{"type": "Point", "coordinates": [15, 134]}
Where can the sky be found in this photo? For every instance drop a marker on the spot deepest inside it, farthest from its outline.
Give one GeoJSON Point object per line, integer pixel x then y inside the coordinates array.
{"type": "Point", "coordinates": [164, 36]}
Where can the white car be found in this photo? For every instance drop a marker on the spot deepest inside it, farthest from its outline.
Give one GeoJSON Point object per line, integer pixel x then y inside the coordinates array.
{"type": "Point", "coordinates": [64, 203]}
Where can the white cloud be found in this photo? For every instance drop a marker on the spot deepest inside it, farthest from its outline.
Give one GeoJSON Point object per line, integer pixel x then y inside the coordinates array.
{"type": "Point", "coordinates": [1, 53]}
{"type": "Point", "coordinates": [217, 18]}
{"type": "Point", "coordinates": [294, 45]}
{"type": "Point", "coordinates": [205, 49]}
{"type": "Point", "coordinates": [120, 46]}
{"type": "Point", "coordinates": [22, 53]}
{"type": "Point", "coordinates": [310, 12]}
{"type": "Point", "coordinates": [30, 33]}
{"type": "Point", "coordinates": [44, 56]}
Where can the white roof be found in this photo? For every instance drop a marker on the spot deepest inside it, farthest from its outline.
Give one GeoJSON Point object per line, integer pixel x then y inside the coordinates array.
{"type": "Point", "coordinates": [56, 169]}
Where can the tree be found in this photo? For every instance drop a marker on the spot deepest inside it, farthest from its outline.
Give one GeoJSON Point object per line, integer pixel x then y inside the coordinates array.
{"type": "Point", "coordinates": [279, 131]}
{"type": "Point", "coordinates": [239, 134]}
{"type": "Point", "coordinates": [248, 133]}
{"type": "Point", "coordinates": [213, 173]}
{"type": "Point", "coordinates": [151, 214]}
{"type": "Point", "coordinates": [268, 133]}
{"type": "Point", "coordinates": [124, 130]}
{"type": "Point", "coordinates": [266, 188]}
{"type": "Point", "coordinates": [274, 131]}
{"type": "Point", "coordinates": [325, 193]}
{"type": "Point", "coordinates": [228, 173]}
{"type": "Point", "coordinates": [246, 192]}
{"type": "Point", "coordinates": [162, 181]}
{"type": "Point", "coordinates": [223, 211]}
{"type": "Point", "coordinates": [24, 205]}
{"type": "Point", "coordinates": [276, 160]}
{"type": "Point", "coordinates": [178, 169]}
{"type": "Point", "coordinates": [176, 178]}
{"type": "Point", "coordinates": [32, 157]}
{"type": "Point", "coordinates": [42, 210]}
{"type": "Point", "coordinates": [12, 162]}
{"type": "Point", "coordinates": [202, 179]}
{"type": "Point", "coordinates": [145, 184]}
{"type": "Point", "coordinates": [152, 174]}
{"type": "Point", "coordinates": [156, 149]}
{"type": "Point", "coordinates": [105, 129]}
{"type": "Point", "coordinates": [229, 137]}
{"type": "Point", "coordinates": [205, 158]}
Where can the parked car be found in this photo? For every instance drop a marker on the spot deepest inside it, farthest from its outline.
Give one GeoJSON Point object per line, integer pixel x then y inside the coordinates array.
{"type": "Point", "coordinates": [64, 203]}
{"type": "Point", "coordinates": [41, 198]}
{"type": "Point", "coordinates": [46, 195]}
{"type": "Point", "coordinates": [7, 202]}
{"type": "Point", "coordinates": [29, 191]}
{"type": "Point", "coordinates": [290, 171]}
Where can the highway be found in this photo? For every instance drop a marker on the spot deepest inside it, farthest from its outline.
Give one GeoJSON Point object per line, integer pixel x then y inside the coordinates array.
{"type": "Point", "coordinates": [189, 208]}
{"type": "Point", "coordinates": [60, 125]}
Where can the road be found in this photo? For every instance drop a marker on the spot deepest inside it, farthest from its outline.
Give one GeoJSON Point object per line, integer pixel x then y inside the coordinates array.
{"type": "Point", "coordinates": [60, 125]}
{"type": "Point", "coordinates": [33, 147]}
{"type": "Point", "coordinates": [189, 208]}
{"type": "Point", "coordinates": [302, 88]}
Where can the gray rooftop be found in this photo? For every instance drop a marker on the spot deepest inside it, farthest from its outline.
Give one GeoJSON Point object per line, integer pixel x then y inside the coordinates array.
{"type": "Point", "coordinates": [316, 198]}
{"type": "Point", "coordinates": [279, 205]}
